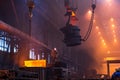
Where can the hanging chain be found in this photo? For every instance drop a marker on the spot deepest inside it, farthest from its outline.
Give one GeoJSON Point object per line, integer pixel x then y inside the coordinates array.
{"type": "Point", "coordinates": [94, 2]}
{"type": "Point", "coordinates": [91, 21]}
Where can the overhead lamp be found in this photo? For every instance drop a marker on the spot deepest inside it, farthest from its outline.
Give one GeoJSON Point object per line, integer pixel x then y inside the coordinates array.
{"type": "Point", "coordinates": [71, 32]}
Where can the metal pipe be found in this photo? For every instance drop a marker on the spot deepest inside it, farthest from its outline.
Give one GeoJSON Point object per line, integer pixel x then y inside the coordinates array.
{"type": "Point", "coordinates": [12, 30]}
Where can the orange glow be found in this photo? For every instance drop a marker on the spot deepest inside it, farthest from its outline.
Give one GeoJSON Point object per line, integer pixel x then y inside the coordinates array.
{"type": "Point", "coordinates": [113, 67]}
{"type": "Point", "coordinates": [73, 18]}
{"type": "Point", "coordinates": [109, 58]}
{"type": "Point", "coordinates": [115, 40]}
{"type": "Point", "coordinates": [101, 37]}
{"type": "Point", "coordinates": [114, 36]}
{"type": "Point", "coordinates": [109, 0]}
{"type": "Point", "coordinates": [99, 33]}
{"type": "Point", "coordinates": [113, 26]}
{"type": "Point", "coordinates": [35, 63]}
{"type": "Point", "coordinates": [104, 44]}
{"type": "Point", "coordinates": [103, 40]}
{"type": "Point", "coordinates": [73, 14]}
{"type": "Point", "coordinates": [94, 21]}
{"type": "Point", "coordinates": [108, 52]}
{"type": "Point", "coordinates": [89, 12]}
{"type": "Point", "coordinates": [112, 19]}
{"type": "Point", "coordinates": [97, 27]}
{"type": "Point", "coordinates": [113, 31]}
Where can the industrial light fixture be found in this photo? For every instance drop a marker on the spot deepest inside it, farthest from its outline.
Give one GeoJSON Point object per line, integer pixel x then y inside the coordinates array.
{"type": "Point", "coordinates": [71, 32]}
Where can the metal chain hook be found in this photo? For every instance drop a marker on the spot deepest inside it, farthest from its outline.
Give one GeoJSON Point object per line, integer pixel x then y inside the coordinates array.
{"type": "Point", "coordinates": [93, 5]}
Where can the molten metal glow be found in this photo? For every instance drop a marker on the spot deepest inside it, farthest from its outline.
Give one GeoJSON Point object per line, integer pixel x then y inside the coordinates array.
{"type": "Point", "coordinates": [109, 58]}
{"type": "Point", "coordinates": [73, 13]}
{"type": "Point", "coordinates": [35, 63]}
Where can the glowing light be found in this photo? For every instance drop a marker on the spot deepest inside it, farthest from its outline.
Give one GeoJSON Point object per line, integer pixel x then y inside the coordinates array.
{"type": "Point", "coordinates": [101, 37]}
{"type": "Point", "coordinates": [99, 33]}
{"type": "Point", "coordinates": [73, 18]}
{"type": "Point", "coordinates": [114, 36]}
{"type": "Point", "coordinates": [35, 63]}
{"type": "Point", "coordinates": [109, 58]}
{"type": "Point", "coordinates": [94, 21]}
{"type": "Point", "coordinates": [115, 40]}
{"type": "Point", "coordinates": [111, 19]}
{"type": "Point", "coordinates": [55, 49]}
{"type": "Point", "coordinates": [97, 27]}
{"type": "Point", "coordinates": [108, 52]}
{"type": "Point", "coordinates": [113, 31]}
{"type": "Point", "coordinates": [104, 44]}
{"type": "Point", "coordinates": [89, 12]}
{"type": "Point", "coordinates": [113, 26]}
{"type": "Point", "coordinates": [109, 0]}
{"type": "Point", "coordinates": [102, 76]}
{"type": "Point", "coordinates": [73, 13]}
{"type": "Point", "coordinates": [103, 40]}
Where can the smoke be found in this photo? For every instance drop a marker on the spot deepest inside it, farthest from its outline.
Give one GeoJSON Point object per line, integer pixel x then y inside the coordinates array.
{"type": "Point", "coordinates": [86, 60]}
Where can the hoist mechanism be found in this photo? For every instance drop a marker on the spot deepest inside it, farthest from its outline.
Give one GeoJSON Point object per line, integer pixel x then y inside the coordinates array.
{"type": "Point", "coordinates": [71, 32]}
{"type": "Point", "coordinates": [31, 5]}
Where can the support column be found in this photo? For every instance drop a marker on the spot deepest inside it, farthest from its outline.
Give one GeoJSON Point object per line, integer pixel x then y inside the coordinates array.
{"type": "Point", "coordinates": [108, 69]}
